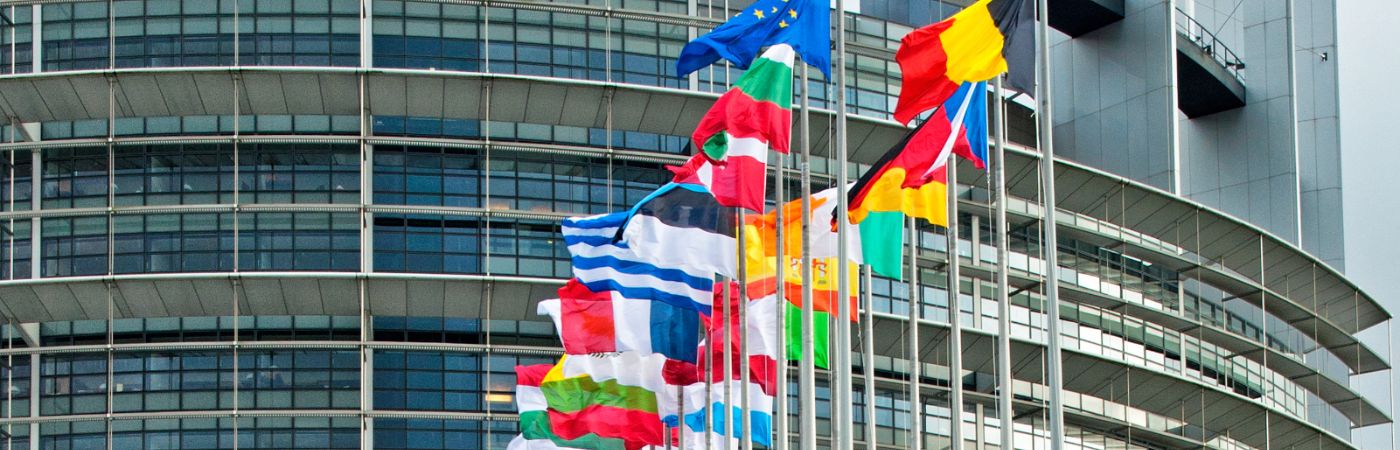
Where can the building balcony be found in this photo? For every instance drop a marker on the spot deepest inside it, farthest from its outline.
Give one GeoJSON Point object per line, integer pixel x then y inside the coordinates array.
{"type": "Point", "coordinates": [1079, 17]}
{"type": "Point", "coordinates": [1207, 72]}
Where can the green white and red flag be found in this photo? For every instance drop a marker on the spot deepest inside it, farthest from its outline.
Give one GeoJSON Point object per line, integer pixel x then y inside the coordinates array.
{"type": "Point", "coordinates": [734, 137]}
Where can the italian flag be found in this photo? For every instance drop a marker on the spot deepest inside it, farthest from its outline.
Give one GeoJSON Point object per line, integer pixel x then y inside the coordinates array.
{"type": "Point", "coordinates": [735, 135]}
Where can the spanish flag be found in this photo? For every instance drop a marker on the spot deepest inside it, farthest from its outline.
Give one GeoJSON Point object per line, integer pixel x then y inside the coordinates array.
{"type": "Point", "coordinates": [976, 44]}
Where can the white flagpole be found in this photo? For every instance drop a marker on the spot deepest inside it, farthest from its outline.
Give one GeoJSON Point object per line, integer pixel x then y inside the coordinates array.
{"type": "Point", "coordinates": [1054, 375]}
{"type": "Point", "coordinates": [728, 366]}
{"type": "Point", "coordinates": [746, 433]}
{"type": "Point", "coordinates": [841, 371]}
{"type": "Point", "coordinates": [1003, 344]}
{"type": "Point", "coordinates": [780, 414]}
{"type": "Point", "coordinates": [916, 431]}
{"type": "Point", "coordinates": [955, 399]}
{"type": "Point", "coordinates": [807, 376]}
{"type": "Point", "coordinates": [868, 355]}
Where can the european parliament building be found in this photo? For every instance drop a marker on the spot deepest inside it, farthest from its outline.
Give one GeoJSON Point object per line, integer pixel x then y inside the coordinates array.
{"type": "Point", "coordinates": [325, 224]}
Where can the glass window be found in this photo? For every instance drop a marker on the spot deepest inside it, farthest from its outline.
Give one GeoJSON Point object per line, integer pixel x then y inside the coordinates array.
{"type": "Point", "coordinates": [299, 241]}
{"type": "Point", "coordinates": [75, 36]}
{"type": "Point", "coordinates": [74, 246]}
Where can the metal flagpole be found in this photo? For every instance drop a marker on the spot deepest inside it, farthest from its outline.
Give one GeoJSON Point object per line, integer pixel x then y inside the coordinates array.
{"type": "Point", "coordinates": [841, 373]}
{"type": "Point", "coordinates": [781, 413]}
{"type": "Point", "coordinates": [868, 355]}
{"type": "Point", "coordinates": [955, 399]}
{"type": "Point", "coordinates": [1054, 376]}
{"type": "Point", "coordinates": [745, 433]}
{"type": "Point", "coordinates": [916, 368]}
{"type": "Point", "coordinates": [727, 412]}
{"type": "Point", "coordinates": [1003, 352]}
{"type": "Point", "coordinates": [807, 375]}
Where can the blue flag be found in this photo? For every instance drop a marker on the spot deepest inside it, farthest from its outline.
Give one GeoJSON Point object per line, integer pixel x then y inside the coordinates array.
{"type": "Point", "coordinates": [803, 24]}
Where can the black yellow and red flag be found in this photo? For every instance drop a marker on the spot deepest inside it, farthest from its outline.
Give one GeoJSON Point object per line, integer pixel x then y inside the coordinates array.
{"type": "Point", "coordinates": [976, 44]}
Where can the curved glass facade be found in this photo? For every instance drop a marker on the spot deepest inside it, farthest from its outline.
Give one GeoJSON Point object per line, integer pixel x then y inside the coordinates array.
{"type": "Point", "coordinates": [249, 277]}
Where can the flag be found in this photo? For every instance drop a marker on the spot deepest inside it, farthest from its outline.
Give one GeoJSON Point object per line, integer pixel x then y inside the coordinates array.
{"type": "Point", "coordinates": [821, 340]}
{"type": "Point", "coordinates": [760, 415]}
{"type": "Point", "coordinates": [760, 330]}
{"type": "Point", "coordinates": [602, 264]}
{"type": "Point", "coordinates": [735, 135]}
{"type": "Point", "coordinates": [535, 431]}
{"type": "Point", "coordinates": [976, 44]}
{"type": "Point", "coordinates": [803, 24]}
{"type": "Point", "coordinates": [607, 321]}
{"type": "Point", "coordinates": [682, 225]}
{"type": "Point", "coordinates": [615, 395]}
{"type": "Point", "coordinates": [912, 177]}
{"type": "Point", "coordinates": [868, 244]}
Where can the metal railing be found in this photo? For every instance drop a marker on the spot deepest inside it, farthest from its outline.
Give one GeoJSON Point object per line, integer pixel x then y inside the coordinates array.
{"type": "Point", "coordinates": [1209, 43]}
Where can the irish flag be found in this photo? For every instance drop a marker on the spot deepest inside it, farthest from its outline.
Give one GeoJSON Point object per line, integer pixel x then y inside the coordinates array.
{"type": "Point", "coordinates": [735, 135]}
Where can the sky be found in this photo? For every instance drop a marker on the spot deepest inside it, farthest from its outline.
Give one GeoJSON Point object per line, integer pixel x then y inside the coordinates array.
{"type": "Point", "coordinates": [1369, 60]}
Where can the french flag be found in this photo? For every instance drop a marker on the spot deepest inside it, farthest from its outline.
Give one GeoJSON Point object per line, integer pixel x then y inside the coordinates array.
{"type": "Point", "coordinates": [607, 321]}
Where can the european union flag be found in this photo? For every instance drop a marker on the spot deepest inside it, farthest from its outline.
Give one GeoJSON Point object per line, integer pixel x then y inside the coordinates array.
{"type": "Point", "coordinates": [803, 24]}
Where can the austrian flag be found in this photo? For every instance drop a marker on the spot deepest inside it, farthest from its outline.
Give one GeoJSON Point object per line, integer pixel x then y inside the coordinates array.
{"type": "Point", "coordinates": [735, 135]}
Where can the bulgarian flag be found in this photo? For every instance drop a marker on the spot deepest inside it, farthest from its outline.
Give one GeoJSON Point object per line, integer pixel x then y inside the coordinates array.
{"type": "Point", "coordinates": [614, 395]}
{"type": "Point", "coordinates": [535, 431]}
{"type": "Point", "coordinates": [735, 135]}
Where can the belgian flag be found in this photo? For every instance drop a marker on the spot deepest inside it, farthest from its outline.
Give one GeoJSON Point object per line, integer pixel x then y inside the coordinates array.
{"type": "Point", "coordinates": [976, 44]}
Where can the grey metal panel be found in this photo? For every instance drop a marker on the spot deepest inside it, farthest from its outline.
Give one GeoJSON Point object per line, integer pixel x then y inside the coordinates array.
{"type": "Point", "coordinates": [339, 297]}
{"type": "Point", "coordinates": [181, 94]}
{"type": "Point", "coordinates": [215, 296]}
{"type": "Point", "coordinates": [335, 93]}
{"type": "Point", "coordinates": [462, 99]}
{"type": "Point", "coordinates": [215, 92]}
{"type": "Point", "coordinates": [545, 104]}
{"type": "Point", "coordinates": [387, 94]}
{"type": "Point", "coordinates": [302, 92]}
{"type": "Point", "coordinates": [583, 106]}
{"type": "Point", "coordinates": [263, 297]}
{"type": "Point", "coordinates": [59, 300]}
{"type": "Point", "coordinates": [508, 99]}
{"type": "Point", "coordinates": [427, 298]}
{"type": "Point", "coordinates": [181, 299]}
{"type": "Point", "coordinates": [143, 95]}
{"type": "Point", "coordinates": [91, 298]}
{"type": "Point", "coordinates": [25, 102]}
{"type": "Point", "coordinates": [388, 298]}
{"type": "Point", "coordinates": [265, 93]}
{"type": "Point", "coordinates": [143, 299]}
{"type": "Point", "coordinates": [425, 97]}
{"type": "Point", "coordinates": [302, 296]}
{"type": "Point", "coordinates": [22, 302]}
{"type": "Point", "coordinates": [92, 91]}
{"type": "Point", "coordinates": [464, 299]}
{"type": "Point", "coordinates": [628, 109]}
{"type": "Point", "coordinates": [661, 115]}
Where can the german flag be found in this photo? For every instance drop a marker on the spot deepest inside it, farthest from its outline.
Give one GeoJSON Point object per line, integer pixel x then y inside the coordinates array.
{"type": "Point", "coordinates": [976, 44]}
{"type": "Point", "coordinates": [912, 176]}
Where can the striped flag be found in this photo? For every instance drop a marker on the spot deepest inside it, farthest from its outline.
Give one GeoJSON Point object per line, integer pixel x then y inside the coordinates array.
{"type": "Point", "coordinates": [603, 264]}
{"type": "Point", "coordinates": [760, 329]}
{"type": "Point", "coordinates": [535, 431]}
{"type": "Point", "coordinates": [735, 135]}
{"type": "Point", "coordinates": [760, 416]}
{"type": "Point", "coordinates": [617, 395]}
{"type": "Point", "coordinates": [607, 321]}
{"type": "Point", "coordinates": [682, 225]}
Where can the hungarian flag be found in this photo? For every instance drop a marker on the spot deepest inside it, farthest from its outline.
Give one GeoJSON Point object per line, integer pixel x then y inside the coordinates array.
{"type": "Point", "coordinates": [735, 135]}
{"type": "Point", "coordinates": [976, 44]}
{"type": "Point", "coordinates": [912, 177]}
{"type": "Point", "coordinates": [609, 321]}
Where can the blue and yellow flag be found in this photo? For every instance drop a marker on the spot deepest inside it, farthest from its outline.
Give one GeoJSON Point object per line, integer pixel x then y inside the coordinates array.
{"type": "Point", "coordinates": [803, 24]}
